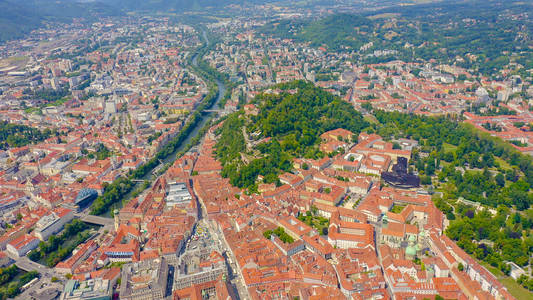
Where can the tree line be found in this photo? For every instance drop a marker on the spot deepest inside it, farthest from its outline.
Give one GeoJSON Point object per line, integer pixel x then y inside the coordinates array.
{"type": "Point", "coordinates": [15, 135]}
{"type": "Point", "coordinates": [53, 250]}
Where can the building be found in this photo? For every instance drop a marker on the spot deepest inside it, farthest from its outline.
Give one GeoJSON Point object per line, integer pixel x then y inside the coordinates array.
{"type": "Point", "coordinates": [92, 289]}
{"type": "Point", "coordinates": [399, 176]}
{"type": "Point", "coordinates": [84, 197]}
{"type": "Point", "coordinates": [344, 235]}
{"type": "Point", "coordinates": [53, 223]}
{"type": "Point", "coordinates": [110, 107]}
{"type": "Point", "coordinates": [178, 194]}
{"type": "Point", "coordinates": [199, 267]}
{"type": "Point", "coordinates": [77, 258]}
{"type": "Point", "coordinates": [125, 246]}
{"type": "Point", "coordinates": [22, 245]}
{"type": "Point", "coordinates": [210, 290]}
{"type": "Point", "coordinates": [146, 280]}
{"type": "Point", "coordinates": [288, 249]}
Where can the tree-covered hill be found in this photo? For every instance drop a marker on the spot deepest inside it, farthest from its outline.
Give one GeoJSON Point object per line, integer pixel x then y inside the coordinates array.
{"type": "Point", "coordinates": [337, 32]}
{"type": "Point", "coordinates": [484, 34]}
{"type": "Point", "coordinates": [293, 120]}
{"type": "Point", "coordinates": [18, 18]}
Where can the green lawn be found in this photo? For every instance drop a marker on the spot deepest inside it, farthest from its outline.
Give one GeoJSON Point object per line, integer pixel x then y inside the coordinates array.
{"type": "Point", "coordinates": [512, 286]}
{"type": "Point", "coordinates": [58, 102]}
{"type": "Point", "coordinates": [515, 289]}
{"type": "Point", "coordinates": [371, 119]}
{"type": "Point", "coordinates": [33, 110]}
{"type": "Point", "coordinates": [317, 222]}
{"type": "Point", "coordinates": [503, 164]}
{"type": "Point", "coordinates": [383, 16]}
{"type": "Point", "coordinates": [497, 272]}
{"type": "Point", "coordinates": [448, 147]}
{"type": "Point", "coordinates": [397, 208]}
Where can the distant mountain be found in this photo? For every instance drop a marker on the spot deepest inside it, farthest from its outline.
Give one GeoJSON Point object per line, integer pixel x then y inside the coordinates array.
{"type": "Point", "coordinates": [66, 10]}
{"type": "Point", "coordinates": [18, 19]}
{"type": "Point", "coordinates": [178, 5]}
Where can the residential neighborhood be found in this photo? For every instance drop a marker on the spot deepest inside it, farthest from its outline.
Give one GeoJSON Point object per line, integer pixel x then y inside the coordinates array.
{"type": "Point", "coordinates": [115, 182]}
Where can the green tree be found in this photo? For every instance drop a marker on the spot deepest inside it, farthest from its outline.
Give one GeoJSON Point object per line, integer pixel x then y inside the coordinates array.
{"type": "Point", "coordinates": [500, 179]}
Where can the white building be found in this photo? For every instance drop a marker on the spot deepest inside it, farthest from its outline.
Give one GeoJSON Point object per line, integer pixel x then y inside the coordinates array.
{"type": "Point", "coordinates": [516, 271]}
{"type": "Point", "coordinates": [178, 194]}
{"type": "Point", "coordinates": [22, 245]}
{"type": "Point", "coordinates": [53, 223]}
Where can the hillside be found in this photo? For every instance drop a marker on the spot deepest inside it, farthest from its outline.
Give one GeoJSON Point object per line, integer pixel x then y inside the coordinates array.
{"type": "Point", "coordinates": [337, 32]}
{"type": "Point", "coordinates": [288, 125]}
{"type": "Point", "coordinates": [178, 5]}
{"type": "Point", "coordinates": [20, 18]}
{"type": "Point", "coordinates": [464, 165]}
{"type": "Point", "coordinates": [16, 20]}
{"type": "Point", "coordinates": [481, 34]}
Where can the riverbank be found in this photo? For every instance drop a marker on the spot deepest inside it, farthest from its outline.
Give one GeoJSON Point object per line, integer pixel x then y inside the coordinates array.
{"type": "Point", "coordinates": [123, 189]}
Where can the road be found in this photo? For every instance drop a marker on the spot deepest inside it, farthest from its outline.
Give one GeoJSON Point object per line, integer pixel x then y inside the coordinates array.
{"type": "Point", "coordinates": [45, 276]}
{"type": "Point", "coordinates": [96, 220]}
{"type": "Point", "coordinates": [28, 265]}
{"type": "Point", "coordinates": [42, 290]}
{"type": "Point", "coordinates": [235, 273]}
{"type": "Point", "coordinates": [203, 219]}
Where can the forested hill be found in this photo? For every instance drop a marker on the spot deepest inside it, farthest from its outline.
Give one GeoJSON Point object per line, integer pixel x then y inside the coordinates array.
{"type": "Point", "coordinates": [337, 32]}
{"type": "Point", "coordinates": [494, 32]}
{"type": "Point", "coordinates": [294, 119]}
{"type": "Point", "coordinates": [16, 20]}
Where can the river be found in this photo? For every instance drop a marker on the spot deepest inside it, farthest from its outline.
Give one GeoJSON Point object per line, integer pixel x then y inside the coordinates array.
{"type": "Point", "coordinates": [205, 116]}
{"type": "Point", "coordinates": [204, 119]}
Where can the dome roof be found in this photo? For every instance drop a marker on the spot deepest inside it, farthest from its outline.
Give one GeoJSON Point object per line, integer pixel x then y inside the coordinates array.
{"type": "Point", "coordinates": [410, 251]}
